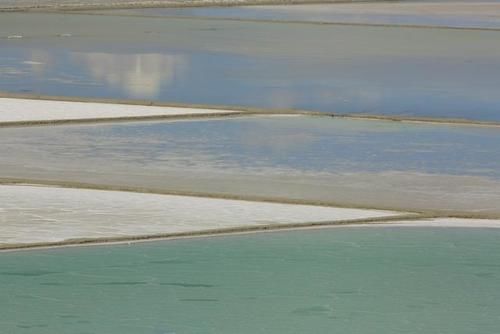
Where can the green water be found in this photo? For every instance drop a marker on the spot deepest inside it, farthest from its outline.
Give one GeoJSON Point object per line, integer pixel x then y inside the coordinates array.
{"type": "Point", "coordinates": [344, 280]}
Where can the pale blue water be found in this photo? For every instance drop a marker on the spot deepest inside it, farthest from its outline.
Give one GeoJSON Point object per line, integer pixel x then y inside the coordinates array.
{"type": "Point", "coordinates": [266, 144]}
{"type": "Point", "coordinates": [389, 71]}
{"type": "Point", "coordinates": [346, 280]}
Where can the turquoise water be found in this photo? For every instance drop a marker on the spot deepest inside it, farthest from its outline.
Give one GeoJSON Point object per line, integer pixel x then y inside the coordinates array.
{"type": "Point", "coordinates": [343, 69]}
{"type": "Point", "coordinates": [345, 280]}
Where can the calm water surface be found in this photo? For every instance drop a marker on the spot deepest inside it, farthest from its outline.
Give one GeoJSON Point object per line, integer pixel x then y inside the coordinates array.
{"type": "Point", "coordinates": [350, 280]}
{"type": "Point", "coordinates": [344, 69]}
{"type": "Point", "coordinates": [294, 144]}
{"type": "Point", "coordinates": [446, 14]}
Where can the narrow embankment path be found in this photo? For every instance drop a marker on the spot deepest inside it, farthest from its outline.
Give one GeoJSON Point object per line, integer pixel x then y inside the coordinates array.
{"type": "Point", "coordinates": [34, 110]}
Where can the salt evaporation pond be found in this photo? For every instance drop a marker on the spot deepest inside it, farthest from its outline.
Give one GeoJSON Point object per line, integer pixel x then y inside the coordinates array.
{"type": "Point", "coordinates": [349, 280]}
{"type": "Point", "coordinates": [445, 14]}
{"type": "Point", "coordinates": [345, 69]}
{"type": "Point", "coordinates": [377, 164]}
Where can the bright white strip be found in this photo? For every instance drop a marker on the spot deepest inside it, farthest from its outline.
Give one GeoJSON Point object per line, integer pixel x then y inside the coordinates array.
{"type": "Point", "coordinates": [447, 222]}
{"type": "Point", "coordinates": [33, 214]}
{"type": "Point", "coordinates": [25, 110]}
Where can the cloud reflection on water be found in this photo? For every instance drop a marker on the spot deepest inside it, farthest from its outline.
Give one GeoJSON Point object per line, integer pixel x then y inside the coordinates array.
{"type": "Point", "coordinates": [139, 75]}
{"type": "Point", "coordinates": [39, 61]}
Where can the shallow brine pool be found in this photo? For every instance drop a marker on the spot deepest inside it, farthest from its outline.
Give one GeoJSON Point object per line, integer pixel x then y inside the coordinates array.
{"type": "Point", "coordinates": [445, 14]}
{"type": "Point", "coordinates": [350, 162]}
{"type": "Point", "coordinates": [437, 73]}
{"type": "Point", "coordinates": [348, 280]}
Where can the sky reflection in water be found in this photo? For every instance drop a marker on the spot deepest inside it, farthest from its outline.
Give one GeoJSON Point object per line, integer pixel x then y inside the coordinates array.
{"type": "Point", "coordinates": [264, 145]}
{"type": "Point", "coordinates": [408, 74]}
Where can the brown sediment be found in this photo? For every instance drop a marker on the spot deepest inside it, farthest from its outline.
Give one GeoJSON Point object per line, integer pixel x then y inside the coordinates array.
{"type": "Point", "coordinates": [210, 232]}
{"type": "Point", "coordinates": [223, 111]}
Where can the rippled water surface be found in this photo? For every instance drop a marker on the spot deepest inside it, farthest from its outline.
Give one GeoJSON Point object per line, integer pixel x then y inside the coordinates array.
{"type": "Point", "coordinates": [344, 69]}
{"type": "Point", "coordinates": [359, 280]}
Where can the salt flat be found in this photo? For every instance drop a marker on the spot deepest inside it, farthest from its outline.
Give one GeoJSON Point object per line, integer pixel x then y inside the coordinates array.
{"type": "Point", "coordinates": [35, 214]}
{"type": "Point", "coordinates": [26, 110]}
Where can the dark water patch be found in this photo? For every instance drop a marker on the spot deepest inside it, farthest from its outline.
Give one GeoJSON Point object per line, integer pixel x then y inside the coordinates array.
{"type": "Point", "coordinates": [345, 292]}
{"type": "Point", "coordinates": [29, 273]}
{"type": "Point", "coordinates": [83, 322]}
{"type": "Point", "coordinates": [313, 311]}
{"type": "Point", "coordinates": [131, 283]}
{"type": "Point", "coordinates": [128, 266]}
{"type": "Point", "coordinates": [172, 261]}
{"type": "Point", "coordinates": [482, 265]}
{"type": "Point", "coordinates": [32, 326]}
{"type": "Point", "coordinates": [484, 275]}
{"type": "Point", "coordinates": [69, 316]}
{"type": "Point", "coordinates": [190, 285]}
